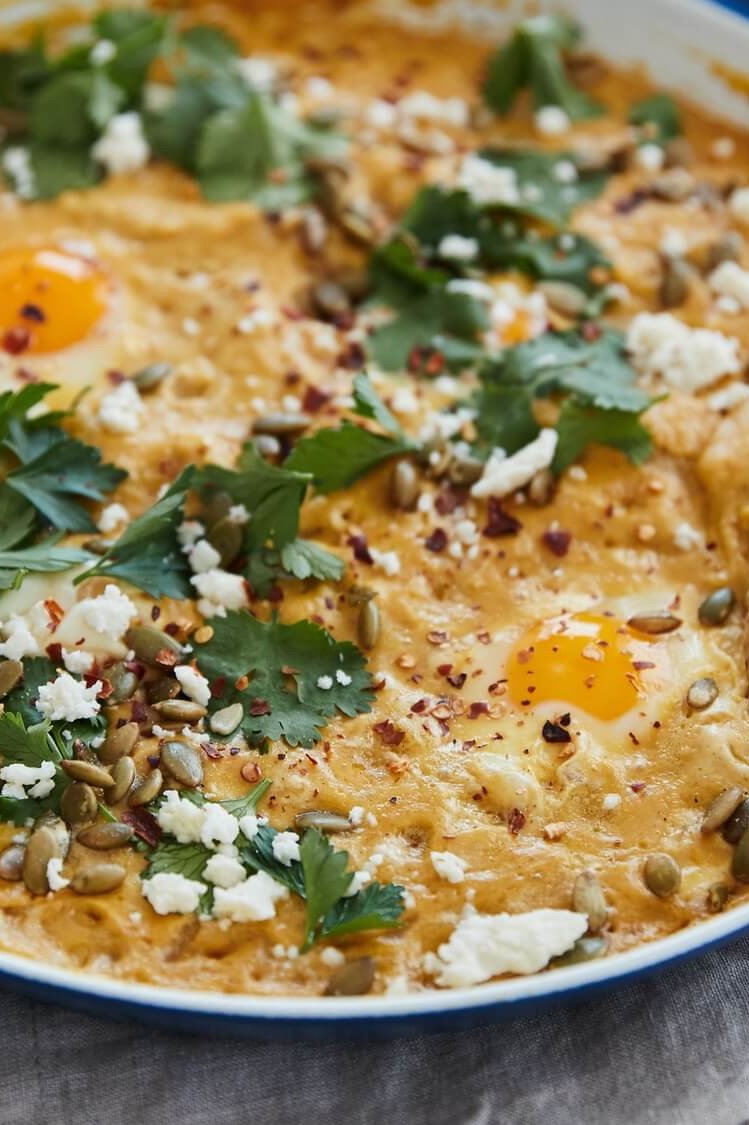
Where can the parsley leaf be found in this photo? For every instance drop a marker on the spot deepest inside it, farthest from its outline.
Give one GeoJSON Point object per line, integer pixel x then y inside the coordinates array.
{"type": "Point", "coordinates": [326, 879]}
{"type": "Point", "coordinates": [659, 118]}
{"type": "Point", "coordinates": [581, 425]}
{"type": "Point", "coordinates": [533, 58]}
{"type": "Point", "coordinates": [29, 746]}
{"type": "Point", "coordinates": [170, 856]}
{"type": "Point", "coordinates": [284, 664]}
{"type": "Point", "coordinates": [376, 906]}
{"type": "Point", "coordinates": [258, 856]}
{"type": "Point", "coordinates": [148, 554]}
{"type": "Point", "coordinates": [303, 559]}
{"type": "Point", "coordinates": [241, 806]}
{"type": "Point", "coordinates": [339, 455]}
{"type": "Point", "coordinates": [541, 193]}
{"type": "Point", "coordinates": [43, 558]}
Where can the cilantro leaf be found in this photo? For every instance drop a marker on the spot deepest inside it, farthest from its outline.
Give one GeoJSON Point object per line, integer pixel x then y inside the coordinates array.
{"type": "Point", "coordinates": [326, 879]}
{"type": "Point", "coordinates": [173, 133]}
{"type": "Point", "coordinates": [258, 856]}
{"type": "Point", "coordinates": [28, 746]}
{"type": "Point", "coordinates": [241, 806]}
{"type": "Point", "coordinates": [208, 48]}
{"type": "Point", "coordinates": [15, 405]}
{"type": "Point", "coordinates": [376, 906]}
{"type": "Point", "coordinates": [541, 193]}
{"type": "Point", "coordinates": [17, 519]}
{"type": "Point", "coordinates": [658, 116]}
{"type": "Point", "coordinates": [284, 664]}
{"type": "Point", "coordinates": [435, 320]}
{"type": "Point", "coordinates": [60, 111]}
{"type": "Point", "coordinates": [147, 554]}
{"type": "Point", "coordinates": [22, 73]}
{"type": "Point", "coordinates": [37, 670]}
{"type": "Point", "coordinates": [339, 455]}
{"type": "Point", "coordinates": [303, 559]}
{"type": "Point", "coordinates": [171, 857]}
{"type": "Point", "coordinates": [43, 558]}
{"type": "Point", "coordinates": [368, 404]}
{"type": "Point", "coordinates": [533, 58]}
{"type": "Point", "coordinates": [581, 425]}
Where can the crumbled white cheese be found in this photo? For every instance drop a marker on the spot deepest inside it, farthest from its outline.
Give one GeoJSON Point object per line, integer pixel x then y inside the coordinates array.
{"type": "Point", "coordinates": [551, 121]}
{"type": "Point", "coordinates": [686, 537]}
{"type": "Point", "coordinates": [426, 107]}
{"type": "Point", "coordinates": [503, 475]}
{"type": "Point", "coordinates": [180, 817]}
{"type": "Point", "coordinates": [238, 514]}
{"type": "Point", "coordinates": [388, 561]}
{"type": "Point", "coordinates": [122, 147]}
{"type": "Point", "coordinates": [102, 52]}
{"type": "Point", "coordinates": [404, 401]}
{"type": "Point", "coordinates": [169, 893]}
{"type": "Point", "coordinates": [55, 877]}
{"type": "Point", "coordinates": [729, 397]}
{"type": "Point", "coordinates": [380, 114]}
{"type": "Point", "coordinates": [650, 157]}
{"type": "Point", "coordinates": [28, 781]}
{"type": "Point", "coordinates": [219, 591]}
{"type": "Point", "coordinates": [483, 946]}
{"type": "Point", "coordinates": [19, 640]}
{"type": "Point", "coordinates": [223, 871]}
{"type": "Point", "coordinates": [69, 699]}
{"type": "Point", "coordinates": [472, 287]}
{"type": "Point", "coordinates": [449, 866]}
{"type": "Point", "coordinates": [686, 358]}
{"type": "Point", "coordinates": [259, 318]}
{"type": "Point", "coordinates": [194, 685]}
{"type": "Point", "coordinates": [158, 96]}
{"type": "Point", "coordinates": [203, 557]}
{"type": "Point", "coordinates": [673, 243]}
{"type": "Point", "coordinates": [730, 280]}
{"type": "Point", "coordinates": [286, 847]}
{"type": "Point", "coordinates": [723, 148]}
{"type": "Point", "coordinates": [610, 802]}
{"type": "Point", "coordinates": [565, 172]}
{"type": "Point", "coordinates": [488, 183]}
{"type": "Point", "coordinates": [112, 516]}
{"type": "Point", "coordinates": [325, 683]}
{"type": "Point", "coordinates": [254, 900]}
{"type": "Point", "coordinates": [342, 677]}
{"type": "Point", "coordinates": [457, 248]}
{"type": "Point", "coordinates": [250, 825]}
{"type": "Point", "coordinates": [332, 957]}
{"type": "Point", "coordinates": [189, 532]}
{"type": "Point", "coordinates": [257, 72]}
{"type": "Point", "coordinates": [121, 410]}
{"type": "Point", "coordinates": [218, 827]}
{"type": "Point", "coordinates": [738, 204]}
{"type": "Point", "coordinates": [356, 816]}
{"type": "Point", "coordinates": [16, 162]}
{"type": "Point", "coordinates": [109, 614]}
{"type": "Point", "coordinates": [77, 661]}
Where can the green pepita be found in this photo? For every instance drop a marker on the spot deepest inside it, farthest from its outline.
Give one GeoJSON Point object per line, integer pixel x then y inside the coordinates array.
{"type": "Point", "coordinates": [721, 808]}
{"type": "Point", "coordinates": [584, 949]}
{"type": "Point", "coordinates": [737, 823]}
{"type": "Point", "coordinates": [716, 607]}
{"type": "Point", "coordinates": [281, 423]}
{"type": "Point", "coordinates": [78, 804]}
{"type": "Point", "coordinates": [323, 820]}
{"type": "Point", "coordinates": [404, 485]}
{"type": "Point", "coordinates": [104, 837]}
{"type": "Point", "coordinates": [153, 646]}
{"type": "Point", "coordinates": [588, 898]}
{"type": "Point", "coordinates": [352, 979]}
{"type": "Point", "coordinates": [151, 376]}
{"type": "Point", "coordinates": [564, 298]}
{"type": "Point", "coordinates": [123, 776]}
{"type": "Point", "coordinates": [183, 762]}
{"type": "Point", "coordinates": [88, 772]}
{"type": "Point", "coordinates": [119, 743]}
{"type": "Point", "coordinates": [164, 688]}
{"type": "Point", "coordinates": [98, 879]}
{"type": "Point", "coordinates": [226, 537]}
{"type": "Point", "coordinates": [180, 710]}
{"type": "Point", "coordinates": [662, 875]}
{"type": "Point", "coordinates": [717, 897]}
{"type": "Point", "coordinates": [226, 720]}
{"type": "Point", "coordinates": [702, 693]}
{"type": "Point", "coordinates": [11, 863]}
{"type": "Point", "coordinates": [124, 683]}
{"type": "Point", "coordinates": [740, 865]}
{"type": "Point", "coordinates": [675, 282]}
{"type": "Point", "coordinates": [654, 623]}
{"type": "Point", "coordinates": [50, 840]}
{"type": "Point", "coordinates": [368, 626]}
{"type": "Point", "coordinates": [727, 248]}
{"type": "Point", "coordinates": [146, 789]}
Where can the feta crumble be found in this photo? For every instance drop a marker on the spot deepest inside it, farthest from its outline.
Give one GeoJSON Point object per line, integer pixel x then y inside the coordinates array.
{"type": "Point", "coordinates": [650, 157]}
{"type": "Point", "coordinates": [28, 781]}
{"type": "Point", "coordinates": [77, 661]}
{"type": "Point", "coordinates": [188, 533]}
{"type": "Point", "coordinates": [503, 475]}
{"type": "Point", "coordinates": [55, 877]}
{"type": "Point", "coordinates": [121, 410]}
{"type": "Point", "coordinates": [488, 183]}
{"type": "Point", "coordinates": [325, 683]}
{"type": "Point", "coordinates": [686, 537]}
{"type": "Point", "coordinates": [730, 280]}
{"type": "Point", "coordinates": [203, 557]}
{"type": "Point", "coordinates": [457, 248]}
{"type": "Point", "coordinates": [342, 677]}
{"type": "Point", "coordinates": [19, 640]}
{"type": "Point", "coordinates": [122, 147]}
{"type": "Point", "coordinates": [257, 72]}
{"type": "Point", "coordinates": [218, 827]}
{"type": "Point", "coordinates": [194, 685]}
{"type": "Point", "coordinates": [223, 871]}
{"type": "Point", "coordinates": [112, 516]}
{"type": "Point", "coordinates": [254, 900]}
{"type": "Point", "coordinates": [180, 817]}
{"type": "Point", "coordinates": [110, 613]}
{"type": "Point", "coordinates": [169, 893]}
{"type": "Point", "coordinates": [551, 121]}
{"type": "Point", "coordinates": [450, 867]}
{"type": "Point", "coordinates": [16, 162]}
{"type": "Point", "coordinates": [483, 946]}
{"type": "Point", "coordinates": [68, 699]}
{"type": "Point", "coordinates": [219, 591]}
{"type": "Point", "coordinates": [686, 358]}
{"type": "Point", "coordinates": [286, 847]}
{"type": "Point", "coordinates": [738, 204]}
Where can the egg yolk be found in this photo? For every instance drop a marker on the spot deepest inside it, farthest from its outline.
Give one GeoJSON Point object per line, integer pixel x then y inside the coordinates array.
{"type": "Point", "coordinates": [49, 299]}
{"type": "Point", "coordinates": [585, 661]}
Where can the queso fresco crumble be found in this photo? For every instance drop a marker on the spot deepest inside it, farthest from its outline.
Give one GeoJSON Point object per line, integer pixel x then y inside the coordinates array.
{"type": "Point", "coordinates": [374, 497]}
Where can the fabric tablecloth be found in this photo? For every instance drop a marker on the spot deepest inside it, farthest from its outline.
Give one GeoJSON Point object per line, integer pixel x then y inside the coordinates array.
{"type": "Point", "coordinates": [673, 1049]}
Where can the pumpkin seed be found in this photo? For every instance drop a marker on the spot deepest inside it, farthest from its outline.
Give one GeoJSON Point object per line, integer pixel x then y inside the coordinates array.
{"type": "Point", "coordinates": [358, 595]}
{"type": "Point", "coordinates": [50, 840]}
{"type": "Point", "coordinates": [740, 865]}
{"type": "Point", "coordinates": [352, 979]}
{"type": "Point", "coordinates": [588, 898]}
{"type": "Point", "coordinates": [97, 879]}
{"type": "Point", "coordinates": [10, 673]}
{"type": "Point", "coordinates": [313, 230]}
{"type": "Point", "coordinates": [679, 153]}
{"type": "Point", "coordinates": [11, 863]}
{"type": "Point", "coordinates": [404, 485]}
{"type": "Point", "coordinates": [146, 789]}
{"type": "Point", "coordinates": [702, 693]}
{"type": "Point", "coordinates": [227, 719]}
{"type": "Point", "coordinates": [119, 743]}
{"type": "Point", "coordinates": [564, 298]}
{"type": "Point", "coordinates": [721, 808]}
{"type": "Point", "coordinates": [183, 762]}
{"type": "Point", "coordinates": [104, 837]}
{"type": "Point", "coordinates": [123, 776]}
{"type": "Point", "coordinates": [674, 185]}
{"type": "Point", "coordinates": [675, 283]}
{"type": "Point", "coordinates": [330, 300]}
{"type": "Point", "coordinates": [716, 607]}
{"type": "Point", "coordinates": [462, 469]}
{"type": "Point", "coordinates": [654, 623]}
{"type": "Point", "coordinates": [180, 710]}
{"type": "Point", "coordinates": [737, 823]}
{"type": "Point", "coordinates": [151, 376]}
{"type": "Point", "coordinates": [216, 507]}
{"type": "Point", "coordinates": [717, 897]}
{"type": "Point", "coordinates": [163, 688]}
{"type": "Point", "coordinates": [727, 248]}
{"type": "Point", "coordinates": [88, 772]}
{"type": "Point", "coordinates": [226, 537]}
{"type": "Point", "coordinates": [281, 423]}
{"type": "Point", "coordinates": [78, 804]}
{"type": "Point", "coordinates": [542, 488]}
{"type": "Point", "coordinates": [662, 875]}
{"type": "Point", "coordinates": [152, 646]}
{"type": "Point", "coordinates": [584, 949]}
{"type": "Point", "coordinates": [323, 820]}
{"type": "Point", "coordinates": [368, 626]}
{"type": "Point", "coordinates": [124, 683]}
{"type": "Point", "coordinates": [267, 445]}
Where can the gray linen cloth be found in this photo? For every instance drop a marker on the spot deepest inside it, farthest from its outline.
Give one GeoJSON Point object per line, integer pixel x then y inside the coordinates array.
{"type": "Point", "coordinates": [673, 1049]}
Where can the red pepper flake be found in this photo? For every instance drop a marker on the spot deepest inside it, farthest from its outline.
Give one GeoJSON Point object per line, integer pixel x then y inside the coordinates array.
{"type": "Point", "coordinates": [314, 399]}
{"type": "Point", "coordinates": [483, 637]}
{"type": "Point", "coordinates": [499, 522]}
{"type": "Point", "coordinates": [143, 824]}
{"type": "Point", "coordinates": [138, 711]}
{"type": "Point", "coordinates": [437, 541]}
{"type": "Point", "coordinates": [437, 637]}
{"type": "Point", "coordinates": [629, 203]}
{"type": "Point", "coordinates": [360, 547]}
{"type": "Point", "coordinates": [311, 759]}
{"type": "Point", "coordinates": [106, 688]}
{"type": "Point", "coordinates": [642, 665]}
{"type": "Point", "coordinates": [353, 357]}
{"type": "Point", "coordinates": [16, 340]}
{"type": "Point", "coordinates": [389, 733]}
{"type": "Point", "coordinates": [444, 669]}
{"type": "Point", "coordinates": [55, 612]}
{"type": "Point", "coordinates": [54, 652]}
{"type": "Point", "coordinates": [275, 594]}
{"type": "Point", "coordinates": [155, 612]}
{"type": "Point", "coordinates": [457, 680]}
{"type": "Point", "coordinates": [481, 707]}
{"type": "Point", "coordinates": [557, 540]}
{"type": "Point", "coordinates": [172, 628]}
{"type": "Point", "coordinates": [241, 682]}
{"type": "Point", "coordinates": [419, 706]}
{"type": "Point", "coordinates": [211, 750]}
{"type": "Point", "coordinates": [590, 331]}
{"type": "Point", "coordinates": [449, 499]}
{"type": "Point", "coordinates": [259, 707]}
{"type": "Point", "coordinates": [555, 732]}
{"type": "Point", "coordinates": [116, 377]}
{"type": "Point", "coordinates": [26, 375]}
{"type": "Point", "coordinates": [637, 786]}
{"type": "Point", "coordinates": [218, 687]}
{"type": "Point", "coordinates": [166, 658]}
{"type": "Point", "coordinates": [250, 771]}
{"type": "Point", "coordinates": [425, 361]}
{"type": "Point", "coordinates": [515, 821]}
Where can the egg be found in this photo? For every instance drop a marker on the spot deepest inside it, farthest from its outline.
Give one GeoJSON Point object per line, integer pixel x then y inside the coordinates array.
{"type": "Point", "coordinates": [58, 306]}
